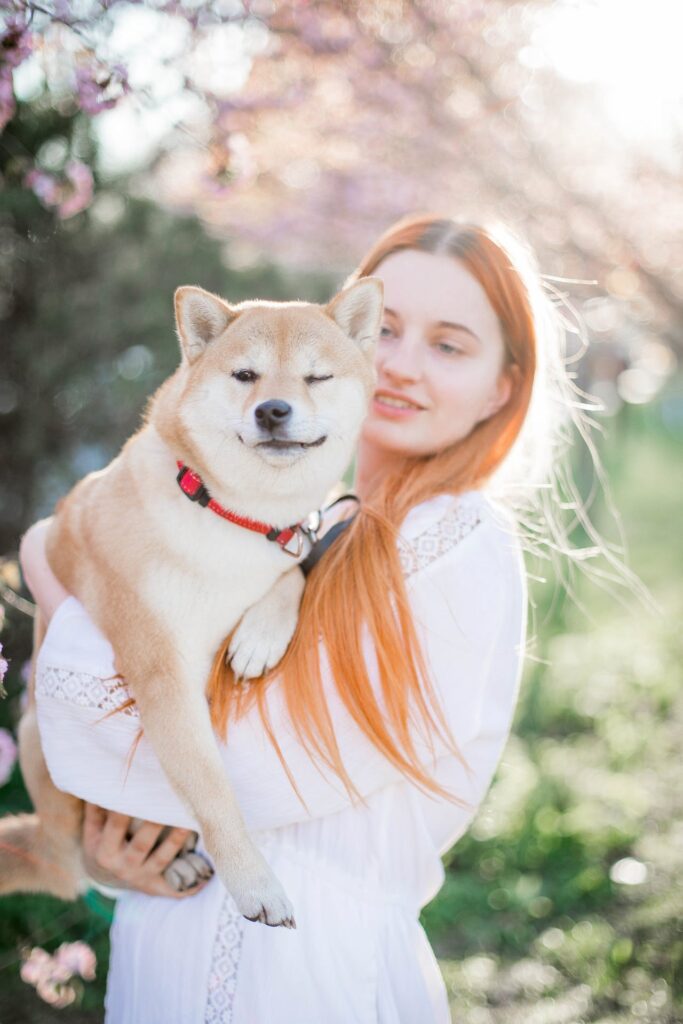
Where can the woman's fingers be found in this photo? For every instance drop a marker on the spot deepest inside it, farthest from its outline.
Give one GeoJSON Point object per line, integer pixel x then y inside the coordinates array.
{"type": "Point", "coordinates": [141, 844]}
{"type": "Point", "coordinates": [93, 822]}
{"type": "Point", "coordinates": [168, 850]}
{"type": "Point", "coordinates": [112, 839]}
{"type": "Point", "coordinates": [133, 862]}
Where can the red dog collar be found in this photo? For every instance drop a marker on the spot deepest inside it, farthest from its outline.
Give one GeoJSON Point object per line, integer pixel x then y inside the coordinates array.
{"type": "Point", "coordinates": [191, 485]}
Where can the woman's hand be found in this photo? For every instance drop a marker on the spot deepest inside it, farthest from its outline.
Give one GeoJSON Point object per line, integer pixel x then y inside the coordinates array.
{"type": "Point", "coordinates": [112, 859]}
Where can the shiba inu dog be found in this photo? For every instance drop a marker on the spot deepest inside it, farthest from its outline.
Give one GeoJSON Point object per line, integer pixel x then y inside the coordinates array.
{"type": "Point", "coordinates": [261, 417]}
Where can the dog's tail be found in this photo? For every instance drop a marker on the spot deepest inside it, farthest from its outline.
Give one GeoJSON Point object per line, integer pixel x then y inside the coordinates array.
{"type": "Point", "coordinates": [31, 861]}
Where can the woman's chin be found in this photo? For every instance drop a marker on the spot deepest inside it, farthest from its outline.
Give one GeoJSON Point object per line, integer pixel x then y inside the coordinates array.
{"type": "Point", "coordinates": [389, 436]}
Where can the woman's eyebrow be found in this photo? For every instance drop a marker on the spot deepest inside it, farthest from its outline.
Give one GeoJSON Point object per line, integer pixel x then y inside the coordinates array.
{"type": "Point", "coordinates": [447, 324]}
{"type": "Point", "coordinates": [458, 327]}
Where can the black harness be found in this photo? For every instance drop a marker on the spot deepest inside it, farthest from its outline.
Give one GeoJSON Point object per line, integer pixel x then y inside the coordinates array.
{"type": "Point", "coordinates": [325, 542]}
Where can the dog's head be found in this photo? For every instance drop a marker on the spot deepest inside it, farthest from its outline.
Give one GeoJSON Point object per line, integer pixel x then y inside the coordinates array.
{"type": "Point", "coordinates": [269, 399]}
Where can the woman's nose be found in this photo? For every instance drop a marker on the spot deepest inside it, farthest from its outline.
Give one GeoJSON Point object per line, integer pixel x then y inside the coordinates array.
{"type": "Point", "coordinates": [403, 360]}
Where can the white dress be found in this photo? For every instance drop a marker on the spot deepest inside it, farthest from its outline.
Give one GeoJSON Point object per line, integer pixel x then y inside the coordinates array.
{"type": "Point", "coordinates": [357, 874]}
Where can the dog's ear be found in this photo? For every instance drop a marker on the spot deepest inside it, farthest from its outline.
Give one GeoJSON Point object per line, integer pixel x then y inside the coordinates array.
{"type": "Point", "coordinates": [201, 318]}
{"type": "Point", "coordinates": [358, 311]}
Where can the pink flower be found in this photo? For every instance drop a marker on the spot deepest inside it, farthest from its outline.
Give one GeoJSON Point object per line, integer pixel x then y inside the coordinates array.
{"type": "Point", "coordinates": [79, 197]}
{"type": "Point", "coordinates": [16, 42]}
{"type": "Point", "coordinates": [55, 977]}
{"type": "Point", "coordinates": [7, 101]}
{"type": "Point", "coordinates": [78, 958]}
{"type": "Point", "coordinates": [45, 186]}
{"type": "Point", "coordinates": [36, 966]}
{"type": "Point", "coordinates": [8, 755]}
{"type": "Point", "coordinates": [100, 88]}
{"type": "Point", "coordinates": [55, 993]}
{"type": "Point", "coordinates": [71, 195]}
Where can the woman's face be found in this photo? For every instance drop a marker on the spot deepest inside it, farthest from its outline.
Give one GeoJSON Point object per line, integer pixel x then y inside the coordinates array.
{"type": "Point", "coordinates": [439, 357]}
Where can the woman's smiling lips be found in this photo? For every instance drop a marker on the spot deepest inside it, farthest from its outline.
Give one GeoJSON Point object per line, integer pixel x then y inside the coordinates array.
{"type": "Point", "coordinates": [394, 404]}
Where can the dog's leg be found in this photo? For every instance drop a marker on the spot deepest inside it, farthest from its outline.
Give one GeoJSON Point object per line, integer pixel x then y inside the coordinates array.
{"type": "Point", "coordinates": [265, 630]}
{"type": "Point", "coordinates": [176, 722]}
{"type": "Point", "coordinates": [40, 852]}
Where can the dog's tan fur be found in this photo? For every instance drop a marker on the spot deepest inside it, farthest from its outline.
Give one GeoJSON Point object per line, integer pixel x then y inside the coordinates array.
{"type": "Point", "coordinates": [167, 580]}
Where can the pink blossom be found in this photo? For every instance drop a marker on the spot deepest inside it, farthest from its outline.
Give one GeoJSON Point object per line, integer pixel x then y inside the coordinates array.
{"type": "Point", "coordinates": [16, 42]}
{"type": "Point", "coordinates": [78, 958]}
{"type": "Point", "coordinates": [7, 102]}
{"type": "Point", "coordinates": [44, 185]}
{"type": "Point", "coordinates": [70, 195]}
{"type": "Point", "coordinates": [55, 977]}
{"type": "Point", "coordinates": [55, 993]}
{"type": "Point", "coordinates": [36, 966]}
{"type": "Point", "coordinates": [8, 755]}
{"type": "Point", "coordinates": [80, 196]}
{"type": "Point", "coordinates": [100, 88]}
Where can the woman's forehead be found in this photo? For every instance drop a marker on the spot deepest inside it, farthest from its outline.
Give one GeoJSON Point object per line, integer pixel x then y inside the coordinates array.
{"type": "Point", "coordinates": [436, 288]}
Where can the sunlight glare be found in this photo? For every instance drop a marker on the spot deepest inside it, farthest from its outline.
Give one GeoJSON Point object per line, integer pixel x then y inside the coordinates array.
{"type": "Point", "coordinates": [631, 50]}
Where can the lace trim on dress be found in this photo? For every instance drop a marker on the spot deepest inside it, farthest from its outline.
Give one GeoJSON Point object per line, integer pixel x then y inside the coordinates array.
{"type": "Point", "coordinates": [440, 537]}
{"type": "Point", "coordinates": [84, 689]}
{"type": "Point", "coordinates": [225, 959]}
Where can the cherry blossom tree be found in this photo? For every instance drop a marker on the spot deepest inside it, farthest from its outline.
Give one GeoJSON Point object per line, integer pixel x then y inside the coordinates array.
{"type": "Point", "coordinates": [305, 126]}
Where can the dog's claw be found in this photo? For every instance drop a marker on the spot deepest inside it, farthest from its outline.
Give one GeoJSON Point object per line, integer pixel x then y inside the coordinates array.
{"type": "Point", "coordinates": [262, 917]}
{"type": "Point", "coordinates": [271, 907]}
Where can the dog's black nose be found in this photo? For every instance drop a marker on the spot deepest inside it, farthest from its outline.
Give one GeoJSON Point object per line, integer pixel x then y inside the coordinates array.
{"type": "Point", "coordinates": [273, 413]}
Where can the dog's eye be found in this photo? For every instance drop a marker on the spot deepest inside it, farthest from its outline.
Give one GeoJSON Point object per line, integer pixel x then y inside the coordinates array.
{"type": "Point", "coordinates": [245, 376]}
{"type": "Point", "coordinates": [312, 379]}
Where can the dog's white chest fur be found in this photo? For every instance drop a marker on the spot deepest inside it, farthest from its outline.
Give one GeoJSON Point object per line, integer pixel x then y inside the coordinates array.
{"type": "Point", "coordinates": [205, 572]}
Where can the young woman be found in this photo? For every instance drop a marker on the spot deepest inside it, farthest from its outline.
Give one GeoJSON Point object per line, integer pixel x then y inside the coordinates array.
{"type": "Point", "coordinates": [358, 763]}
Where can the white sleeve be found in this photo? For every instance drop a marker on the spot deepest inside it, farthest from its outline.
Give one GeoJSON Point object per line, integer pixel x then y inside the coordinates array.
{"type": "Point", "coordinates": [466, 586]}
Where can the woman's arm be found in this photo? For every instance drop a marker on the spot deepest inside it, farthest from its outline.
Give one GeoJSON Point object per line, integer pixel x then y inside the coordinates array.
{"type": "Point", "coordinates": [47, 591]}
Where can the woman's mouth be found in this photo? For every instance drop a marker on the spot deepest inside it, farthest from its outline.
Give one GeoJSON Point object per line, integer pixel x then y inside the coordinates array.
{"type": "Point", "coordinates": [394, 406]}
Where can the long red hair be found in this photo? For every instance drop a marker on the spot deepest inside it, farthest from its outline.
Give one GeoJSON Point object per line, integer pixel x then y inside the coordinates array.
{"type": "Point", "coordinates": [358, 586]}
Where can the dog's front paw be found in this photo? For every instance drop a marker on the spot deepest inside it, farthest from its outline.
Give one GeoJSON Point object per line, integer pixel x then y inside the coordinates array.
{"type": "Point", "coordinates": [258, 895]}
{"type": "Point", "coordinates": [265, 630]}
{"type": "Point", "coordinates": [253, 650]}
{"type": "Point", "coordinates": [187, 870]}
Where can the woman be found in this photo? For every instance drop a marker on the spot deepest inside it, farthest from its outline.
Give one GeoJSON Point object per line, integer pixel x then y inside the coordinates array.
{"type": "Point", "coordinates": [422, 604]}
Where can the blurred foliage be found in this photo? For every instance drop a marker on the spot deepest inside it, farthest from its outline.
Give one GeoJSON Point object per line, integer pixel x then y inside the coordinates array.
{"type": "Point", "coordinates": [563, 902]}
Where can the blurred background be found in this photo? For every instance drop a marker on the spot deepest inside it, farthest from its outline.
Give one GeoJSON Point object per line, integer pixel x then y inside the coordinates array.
{"type": "Point", "coordinates": [257, 148]}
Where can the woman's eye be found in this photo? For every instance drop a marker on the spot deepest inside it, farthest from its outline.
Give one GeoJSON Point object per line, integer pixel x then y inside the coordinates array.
{"type": "Point", "coordinates": [312, 379]}
{"type": "Point", "coordinates": [245, 376]}
{"type": "Point", "coordinates": [386, 332]}
{"type": "Point", "coordinates": [447, 348]}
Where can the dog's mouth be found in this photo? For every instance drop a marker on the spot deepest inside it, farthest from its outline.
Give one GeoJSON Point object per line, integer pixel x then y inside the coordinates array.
{"type": "Point", "coordinates": [274, 444]}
